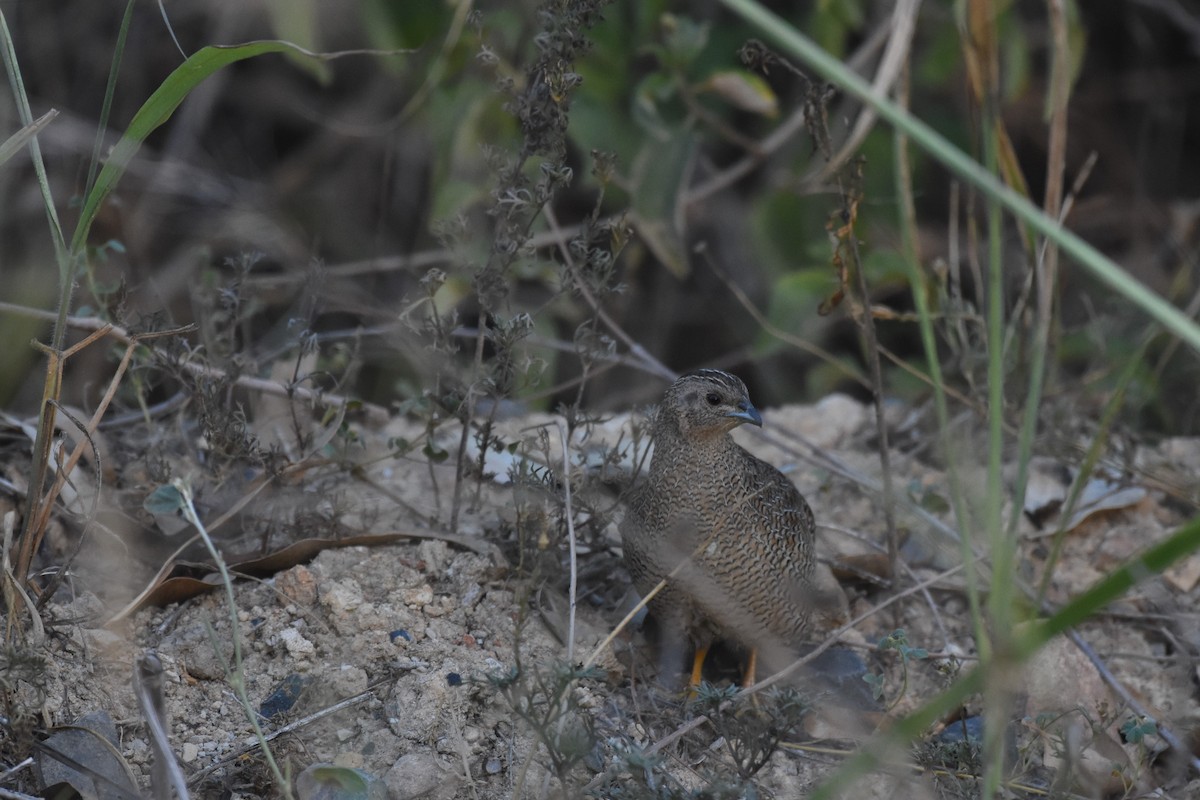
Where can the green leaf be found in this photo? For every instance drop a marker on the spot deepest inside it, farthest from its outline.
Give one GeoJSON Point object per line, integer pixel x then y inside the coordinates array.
{"type": "Point", "coordinates": [659, 173]}
{"type": "Point", "coordinates": [329, 782]}
{"type": "Point", "coordinates": [1137, 729]}
{"type": "Point", "coordinates": [434, 453]}
{"type": "Point", "coordinates": [159, 108]}
{"type": "Point", "coordinates": [743, 90]}
{"type": "Point", "coordinates": [166, 499]}
{"type": "Point", "coordinates": [685, 39]}
{"type": "Point", "coordinates": [649, 95]}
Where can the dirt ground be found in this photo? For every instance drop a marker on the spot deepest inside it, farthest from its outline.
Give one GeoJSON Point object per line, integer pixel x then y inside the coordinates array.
{"type": "Point", "coordinates": [444, 655]}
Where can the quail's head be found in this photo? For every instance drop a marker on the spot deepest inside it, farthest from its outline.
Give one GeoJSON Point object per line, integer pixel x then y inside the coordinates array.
{"type": "Point", "coordinates": [707, 403]}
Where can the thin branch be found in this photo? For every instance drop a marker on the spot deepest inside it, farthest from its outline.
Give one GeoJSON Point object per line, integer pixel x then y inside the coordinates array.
{"type": "Point", "coordinates": [374, 414]}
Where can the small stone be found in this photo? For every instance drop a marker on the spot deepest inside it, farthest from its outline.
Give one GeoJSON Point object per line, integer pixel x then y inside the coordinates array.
{"type": "Point", "coordinates": [105, 641]}
{"type": "Point", "coordinates": [284, 696]}
{"type": "Point", "coordinates": [344, 735]}
{"type": "Point", "coordinates": [493, 766]}
{"type": "Point", "coordinates": [350, 760]}
{"type": "Point", "coordinates": [471, 596]}
{"type": "Point", "coordinates": [418, 775]}
{"type": "Point", "coordinates": [418, 595]}
{"type": "Point", "coordinates": [347, 681]}
{"type": "Point", "coordinates": [1185, 574]}
{"type": "Point", "coordinates": [296, 644]}
{"type": "Point", "coordinates": [442, 606]}
{"type": "Point", "coordinates": [343, 597]}
{"type": "Point", "coordinates": [435, 554]}
{"type": "Point", "coordinates": [190, 752]}
{"type": "Point", "coordinates": [298, 585]}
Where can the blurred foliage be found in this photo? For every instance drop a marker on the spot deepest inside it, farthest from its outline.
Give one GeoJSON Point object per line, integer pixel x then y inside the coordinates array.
{"type": "Point", "coordinates": [377, 156]}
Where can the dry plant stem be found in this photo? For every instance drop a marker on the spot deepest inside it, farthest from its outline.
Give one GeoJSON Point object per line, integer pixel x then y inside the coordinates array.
{"type": "Point", "coordinates": [460, 462]}
{"type": "Point", "coordinates": [9, 794]}
{"type": "Point", "coordinates": [833, 637]}
{"type": "Point", "coordinates": [774, 141]}
{"type": "Point", "coordinates": [1047, 267]}
{"type": "Point", "coordinates": [36, 517]}
{"type": "Point", "coordinates": [570, 519]}
{"type": "Point", "coordinates": [237, 676]}
{"type": "Point", "coordinates": [360, 474]}
{"type": "Point", "coordinates": [375, 414]}
{"type": "Point", "coordinates": [15, 768]}
{"type": "Point", "coordinates": [866, 322]}
{"type": "Point", "coordinates": [950, 391]}
{"type": "Point", "coordinates": [148, 688]}
{"type": "Point", "coordinates": [88, 431]}
{"type": "Point", "coordinates": [822, 459]}
{"type": "Point", "coordinates": [14, 590]}
{"type": "Point", "coordinates": [615, 360]}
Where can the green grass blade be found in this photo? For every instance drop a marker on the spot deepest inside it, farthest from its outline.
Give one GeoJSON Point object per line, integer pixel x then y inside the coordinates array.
{"type": "Point", "coordinates": [109, 90]}
{"type": "Point", "coordinates": [159, 108]}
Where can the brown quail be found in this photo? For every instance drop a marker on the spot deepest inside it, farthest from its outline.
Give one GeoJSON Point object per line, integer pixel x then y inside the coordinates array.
{"type": "Point", "coordinates": [730, 534]}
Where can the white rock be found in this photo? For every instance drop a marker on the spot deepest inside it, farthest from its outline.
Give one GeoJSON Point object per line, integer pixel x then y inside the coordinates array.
{"type": "Point", "coordinates": [295, 643]}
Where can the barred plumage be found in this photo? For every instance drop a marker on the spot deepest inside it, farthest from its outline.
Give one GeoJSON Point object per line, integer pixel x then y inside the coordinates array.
{"type": "Point", "coordinates": [736, 532]}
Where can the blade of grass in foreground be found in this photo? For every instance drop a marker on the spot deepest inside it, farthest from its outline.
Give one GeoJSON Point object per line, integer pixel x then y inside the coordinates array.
{"type": "Point", "coordinates": [8, 52]}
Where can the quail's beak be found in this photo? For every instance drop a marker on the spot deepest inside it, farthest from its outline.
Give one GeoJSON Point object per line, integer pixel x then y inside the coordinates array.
{"type": "Point", "coordinates": [747, 413]}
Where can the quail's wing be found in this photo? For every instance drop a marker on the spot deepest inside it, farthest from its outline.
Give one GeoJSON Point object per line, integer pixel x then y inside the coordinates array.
{"type": "Point", "coordinates": [783, 508]}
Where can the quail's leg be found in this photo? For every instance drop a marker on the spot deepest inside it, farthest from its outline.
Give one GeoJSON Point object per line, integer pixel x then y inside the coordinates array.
{"type": "Point", "coordinates": [751, 667]}
{"type": "Point", "coordinates": [672, 651]}
{"type": "Point", "coordinates": [698, 666]}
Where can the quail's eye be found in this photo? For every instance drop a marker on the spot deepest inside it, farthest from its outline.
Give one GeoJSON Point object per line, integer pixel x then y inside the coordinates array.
{"type": "Point", "coordinates": [713, 399]}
